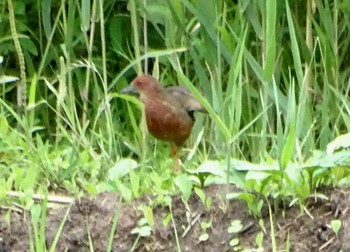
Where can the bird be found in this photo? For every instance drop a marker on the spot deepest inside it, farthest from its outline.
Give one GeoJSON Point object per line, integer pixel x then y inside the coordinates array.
{"type": "Point", "coordinates": [169, 111]}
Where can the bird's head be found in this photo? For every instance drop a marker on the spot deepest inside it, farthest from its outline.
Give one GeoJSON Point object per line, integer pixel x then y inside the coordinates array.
{"type": "Point", "coordinates": [144, 85]}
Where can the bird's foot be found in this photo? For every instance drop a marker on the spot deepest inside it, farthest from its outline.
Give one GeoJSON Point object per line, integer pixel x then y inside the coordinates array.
{"type": "Point", "coordinates": [176, 167]}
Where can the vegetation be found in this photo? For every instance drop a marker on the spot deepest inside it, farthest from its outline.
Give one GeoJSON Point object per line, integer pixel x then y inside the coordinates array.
{"type": "Point", "coordinates": [273, 75]}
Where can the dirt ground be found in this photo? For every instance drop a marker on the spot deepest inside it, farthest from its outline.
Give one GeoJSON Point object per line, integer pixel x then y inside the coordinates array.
{"type": "Point", "coordinates": [90, 222]}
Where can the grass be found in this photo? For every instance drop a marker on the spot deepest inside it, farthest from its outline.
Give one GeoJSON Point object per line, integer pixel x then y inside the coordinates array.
{"type": "Point", "coordinates": [267, 73]}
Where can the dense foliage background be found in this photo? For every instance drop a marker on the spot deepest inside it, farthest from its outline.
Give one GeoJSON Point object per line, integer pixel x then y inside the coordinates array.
{"type": "Point", "coordinates": [273, 75]}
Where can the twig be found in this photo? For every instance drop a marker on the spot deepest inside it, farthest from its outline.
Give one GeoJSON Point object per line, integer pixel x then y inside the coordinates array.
{"type": "Point", "coordinates": [191, 225]}
{"type": "Point", "coordinates": [37, 197]}
{"type": "Point", "coordinates": [326, 244]}
{"type": "Point", "coordinates": [16, 209]}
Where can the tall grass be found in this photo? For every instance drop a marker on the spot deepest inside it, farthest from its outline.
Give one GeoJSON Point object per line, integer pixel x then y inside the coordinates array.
{"type": "Point", "coordinates": [273, 76]}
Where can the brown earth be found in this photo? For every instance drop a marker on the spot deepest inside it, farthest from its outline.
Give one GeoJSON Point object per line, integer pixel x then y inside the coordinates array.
{"type": "Point", "coordinates": [92, 219]}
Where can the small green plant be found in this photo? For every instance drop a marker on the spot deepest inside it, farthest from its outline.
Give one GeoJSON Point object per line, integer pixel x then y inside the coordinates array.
{"type": "Point", "coordinates": [206, 200]}
{"type": "Point", "coordinates": [145, 224]}
{"type": "Point", "coordinates": [234, 229]}
{"type": "Point", "coordinates": [288, 243]}
{"type": "Point", "coordinates": [272, 231]}
{"type": "Point", "coordinates": [114, 226]}
{"type": "Point", "coordinates": [336, 225]}
{"type": "Point", "coordinates": [185, 186]}
{"type": "Point", "coordinates": [148, 214]}
{"type": "Point", "coordinates": [254, 203]}
{"type": "Point", "coordinates": [259, 240]}
{"type": "Point", "coordinates": [204, 234]}
{"type": "Point", "coordinates": [143, 229]}
{"type": "Point", "coordinates": [37, 239]}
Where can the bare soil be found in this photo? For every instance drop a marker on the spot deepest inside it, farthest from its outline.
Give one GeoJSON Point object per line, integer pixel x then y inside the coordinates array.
{"type": "Point", "coordinates": [90, 221]}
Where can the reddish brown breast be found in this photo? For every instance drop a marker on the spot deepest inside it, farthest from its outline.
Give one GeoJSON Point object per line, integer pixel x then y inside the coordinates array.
{"type": "Point", "coordinates": [168, 120]}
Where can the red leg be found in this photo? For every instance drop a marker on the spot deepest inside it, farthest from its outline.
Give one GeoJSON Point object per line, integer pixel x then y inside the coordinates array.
{"type": "Point", "coordinates": [175, 156]}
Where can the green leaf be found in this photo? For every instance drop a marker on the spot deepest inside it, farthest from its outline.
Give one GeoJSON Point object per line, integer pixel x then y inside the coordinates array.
{"type": "Point", "coordinates": [125, 192]}
{"type": "Point", "coordinates": [3, 190]}
{"type": "Point", "coordinates": [295, 48]}
{"type": "Point", "coordinates": [28, 45]}
{"type": "Point", "coordinates": [144, 231]}
{"type": "Point", "coordinates": [342, 141]}
{"type": "Point", "coordinates": [46, 17]}
{"type": "Point", "coordinates": [121, 168]}
{"type": "Point", "coordinates": [259, 239]}
{"type": "Point", "coordinates": [213, 167]}
{"type": "Point", "coordinates": [270, 37]}
{"type": "Point", "coordinates": [119, 31]}
{"type": "Point", "coordinates": [234, 242]}
{"type": "Point", "coordinates": [35, 212]}
{"type": "Point", "coordinates": [236, 226]}
{"type": "Point", "coordinates": [166, 220]}
{"type": "Point", "coordinates": [336, 224]}
{"type": "Point", "coordinates": [203, 237]}
{"type": "Point", "coordinates": [148, 213]}
{"type": "Point", "coordinates": [252, 16]}
{"type": "Point", "coordinates": [85, 14]}
{"type": "Point", "coordinates": [4, 126]}
{"type": "Point", "coordinates": [248, 166]}
{"type": "Point", "coordinates": [207, 201]}
{"type": "Point", "coordinates": [205, 225]}
{"type": "Point", "coordinates": [185, 186]}
{"type": "Point", "coordinates": [288, 147]}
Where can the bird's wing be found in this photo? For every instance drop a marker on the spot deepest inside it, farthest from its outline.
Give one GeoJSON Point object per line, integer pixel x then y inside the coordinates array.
{"type": "Point", "coordinates": [185, 97]}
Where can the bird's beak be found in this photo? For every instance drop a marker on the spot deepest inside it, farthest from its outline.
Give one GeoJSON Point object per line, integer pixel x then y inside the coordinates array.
{"type": "Point", "coordinates": [131, 89]}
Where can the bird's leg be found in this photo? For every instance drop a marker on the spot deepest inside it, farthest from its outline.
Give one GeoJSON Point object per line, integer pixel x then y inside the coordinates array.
{"type": "Point", "coordinates": [175, 155]}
